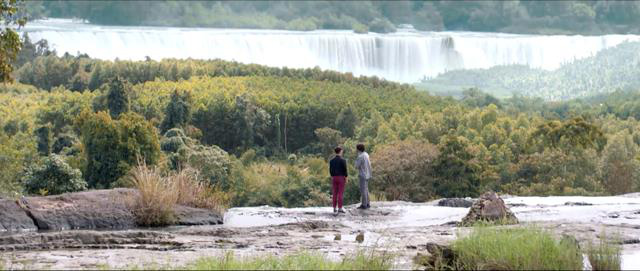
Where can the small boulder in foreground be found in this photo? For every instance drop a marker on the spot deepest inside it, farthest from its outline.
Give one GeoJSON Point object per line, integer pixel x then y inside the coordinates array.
{"type": "Point", "coordinates": [489, 208]}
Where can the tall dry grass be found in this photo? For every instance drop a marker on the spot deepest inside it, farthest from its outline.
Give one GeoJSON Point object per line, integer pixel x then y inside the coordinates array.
{"type": "Point", "coordinates": [158, 194]}
{"type": "Point", "coordinates": [154, 206]}
{"type": "Point", "coordinates": [196, 193]}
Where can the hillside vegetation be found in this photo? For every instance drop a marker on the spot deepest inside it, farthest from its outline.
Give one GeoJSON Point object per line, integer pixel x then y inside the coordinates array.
{"type": "Point", "coordinates": [543, 17]}
{"type": "Point", "coordinates": [259, 135]}
{"type": "Point", "coordinates": [612, 69]}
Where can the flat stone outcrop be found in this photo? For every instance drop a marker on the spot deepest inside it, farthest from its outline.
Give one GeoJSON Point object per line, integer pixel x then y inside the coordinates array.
{"type": "Point", "coordinates": [94, 209]}
{"type": "Point", "coordinates": [489, 208]}
{"type": "Point", "coordinates": [14, 218]}
{"type": "Point", "coordinates": [88, 239]}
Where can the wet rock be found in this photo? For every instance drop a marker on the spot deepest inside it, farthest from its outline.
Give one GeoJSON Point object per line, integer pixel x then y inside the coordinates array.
{"type": "Point", "coordinates": [516, 205]}
{"type": "Point", "coordinates": [337, 237]}
{"type": "Point", "coordinates": [440, 257]}
{"type": "Point", "coordinates": [631, 241]}
{"type": "Point", "coordinates": [455, 202]}
{"type": "Point", "coordinates": [571, 203]}
{"type": "Point", "coordinates": [315, 236]}
{"type": "Point", "coordinates": [450, 223]}
{"type": "Point", "coordinates": [87, 239]}
{"type": "Point", "coordinates": [188, 216]}
{"type": "Point", "coordinates": [636, 212]}
{"type": "Point", "coordinates": [613, 215]}
{"type": "Point", "coordinates": [360, 237]}
{"type": "Point", "coordinates": [14, 218]}
{"type": "Point", "coordinates": [489, 208]}
{"type": "Point", "coordinates": [96, 209]}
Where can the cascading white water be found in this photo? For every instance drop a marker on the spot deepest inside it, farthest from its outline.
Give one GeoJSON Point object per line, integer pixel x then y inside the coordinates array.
{"type": "Point", "coordinates": [405, 56]}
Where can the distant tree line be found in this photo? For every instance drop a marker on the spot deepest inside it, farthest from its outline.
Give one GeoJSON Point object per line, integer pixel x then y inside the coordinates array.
{"type": "Point", "coordinates": [545, 17]}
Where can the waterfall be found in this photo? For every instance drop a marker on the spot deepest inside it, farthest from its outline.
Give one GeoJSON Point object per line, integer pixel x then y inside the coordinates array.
{"type": "Point", "coordinates": [406, 56]}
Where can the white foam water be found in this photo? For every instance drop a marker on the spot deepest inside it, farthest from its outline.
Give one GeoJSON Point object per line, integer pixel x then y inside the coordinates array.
{"type": "Point", "coordinates": [405, 56]}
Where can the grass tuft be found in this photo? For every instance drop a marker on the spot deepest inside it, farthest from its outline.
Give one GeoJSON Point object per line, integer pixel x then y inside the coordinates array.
{"type": "Point", "coordinates": [158, 194]}
{"type": "Point", "coordinates": [515, 249]}
{"type": "Point", "coordinates": [361, 260]}
{"type": "Point", "coordinates": [154, 205]}
{"type": "Point", "coordinates": [606, 254]}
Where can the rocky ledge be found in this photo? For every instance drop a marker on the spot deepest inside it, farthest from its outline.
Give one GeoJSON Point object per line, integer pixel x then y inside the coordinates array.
{"type": "Point", "coordinates": [96, 209]}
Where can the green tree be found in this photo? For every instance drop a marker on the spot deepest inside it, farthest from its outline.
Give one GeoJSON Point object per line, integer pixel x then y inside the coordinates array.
{"type": "Point", "coordinates": [347, 121]}
{"type": "Point", "coordinates": [45, 138]}
{"type": "Point", "coordinates": [113, 146]}
{"type": "Point", "coordinates": [620, 165]}
{"type": "Point", "coordinates": [54, 176]}
{"type": "Point", "coordinates": [404, 170]}
{"type": "Point", "coordinates": [329, 139]}
{"type": "Point", "coordinates": [10, 43]}
{"type": "Point", "coordinates": [178, 111]}
{"type": "Point", "coordinates": [118, 97]}
{"type": "Point", "coordinates": [457, 173]}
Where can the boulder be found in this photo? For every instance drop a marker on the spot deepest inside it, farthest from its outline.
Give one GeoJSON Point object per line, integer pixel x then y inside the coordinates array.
{"type": "Point", "coordinates": [95, 209]}
{"type": "Point", "coordinates": [455, 202]}
{"type": "Point", "coordinates": [189, 216]}
{"type": "Point", "coordinates": [440, 257]}
{"type": "Point", "coordinates": [489, 208]}
{"type": "Point", "coordinates": [14, 218]}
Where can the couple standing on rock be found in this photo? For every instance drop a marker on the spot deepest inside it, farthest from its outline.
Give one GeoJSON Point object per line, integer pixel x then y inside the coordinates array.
{"type": "Point", "coordinates": [339, 176]}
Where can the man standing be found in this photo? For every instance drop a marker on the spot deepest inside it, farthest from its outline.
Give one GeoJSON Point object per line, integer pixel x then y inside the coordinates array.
{"type": "Point", "coordinates": [339, 175]}
{"type": "Point", "coordinates": [364, 175]}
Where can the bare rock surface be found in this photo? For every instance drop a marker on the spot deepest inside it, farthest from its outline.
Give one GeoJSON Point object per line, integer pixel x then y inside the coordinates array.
{"type": "Point", "coordinates": [489, 207]}
{"type": "Point", "coordinates": [400, 228]}
{"type": "Point", "coordinates": [14, 218]}
{"type": "Point", "coordinates": [94, 209]}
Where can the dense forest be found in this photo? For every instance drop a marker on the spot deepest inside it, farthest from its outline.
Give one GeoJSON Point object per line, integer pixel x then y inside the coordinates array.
{"type": "Point", "coordinates": [611, 69]}
{"type": "Point", "coordinates": [544, 17]}
{"type": "Point", "coordinates": [262, 135]}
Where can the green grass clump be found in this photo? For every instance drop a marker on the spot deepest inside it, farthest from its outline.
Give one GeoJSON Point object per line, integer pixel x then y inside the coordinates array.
{"type": "Point", "coordinates": [605, 254]}
{"type": "Point", "coordinates": [300, 261]}
{"type": "Point", "coordinates": [515, 249]}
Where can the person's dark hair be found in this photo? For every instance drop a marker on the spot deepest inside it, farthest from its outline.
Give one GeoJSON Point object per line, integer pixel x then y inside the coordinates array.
{"type": "Point", "coordinates": [360, 147]}
{"type": "Point", "coordinates": [337, 150]}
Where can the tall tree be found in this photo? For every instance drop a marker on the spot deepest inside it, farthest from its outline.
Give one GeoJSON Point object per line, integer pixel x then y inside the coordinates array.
{"type": "Point", "coordinates": [178, 111]}
{"type": "Point", "coordinates": [118, 97]}
{"type": "Point", "coordinates": [10, 43]}
{"type": "Point", "coordinates": [346, 121]}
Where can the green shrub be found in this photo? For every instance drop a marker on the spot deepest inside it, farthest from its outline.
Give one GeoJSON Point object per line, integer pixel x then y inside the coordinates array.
{"type": "Point", "coordinates": [113, 146]}
{"type": "Point", "coordinates": [381, 26]}
{"type": "Point", "coordinates": [515, 249]}
{"type": "Point", "coordinates": [213, 163]}
{"type": "Point", "coordinates": [360, 28]}
{"type": "Point", "coordinates": [54, 176]}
